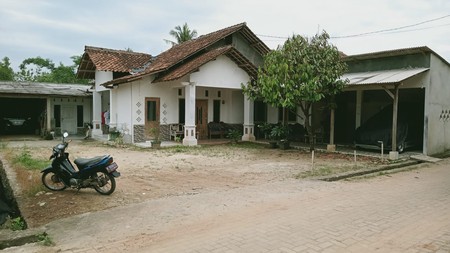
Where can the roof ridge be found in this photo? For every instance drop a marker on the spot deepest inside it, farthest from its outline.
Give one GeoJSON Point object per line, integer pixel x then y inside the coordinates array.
{"type": "Point", "coordinates": [221, 30]}
{"type": "Point", "coordinates": [112, 50]}
{"type": "Point", "coordinates": [205, 35]}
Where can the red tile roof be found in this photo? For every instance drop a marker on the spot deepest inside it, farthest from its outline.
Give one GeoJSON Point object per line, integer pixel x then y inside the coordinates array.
{"type": "Point", "coordinates": [196, 63]}
{"type": "Point", "coordinates": [185, 52]}
{"type": "Point", "coordinates": [103, 59]}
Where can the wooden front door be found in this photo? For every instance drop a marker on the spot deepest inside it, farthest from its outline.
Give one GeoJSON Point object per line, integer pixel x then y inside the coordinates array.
{"type": "Point", "coordinates": [201, 118]}
{"type": "Point", "coordinates": [151, 116]}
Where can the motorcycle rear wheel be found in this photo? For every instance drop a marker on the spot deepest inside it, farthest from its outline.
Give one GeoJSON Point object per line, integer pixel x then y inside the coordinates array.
{"type": "Point", "coordinates": [52, 182]}
{"type": "Point", "coordinates": [106, 184]}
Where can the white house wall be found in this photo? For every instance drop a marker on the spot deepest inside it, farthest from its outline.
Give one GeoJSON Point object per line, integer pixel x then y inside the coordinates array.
{"type": "Point", "coordinates": [168, 94]}
{"type": "Point", "coordinates": [437, 108]}
{"type": "Point", "coordinates": [129, 102]}
{"type": "Point", "coordinates": [220, 73]}
{"type": "Point", "coordinates": [122, 111]}
{"type": "Point", "coordinates": [237, 108]}
{"type": "Point", "coordinates": [86, 102]}
{"type": "Point", "coordinates": [102, 77]}
{"type": "Point", "coordinates": [231, 107]}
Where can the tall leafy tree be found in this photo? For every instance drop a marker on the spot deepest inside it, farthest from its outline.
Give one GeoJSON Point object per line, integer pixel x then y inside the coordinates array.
{"type": "Point", "coordinates": [6, 72]}
{"type": "Point", "coordinates": [36, 69]}
{"type": "Point", "coordinates": [181, 34]}
{"type": "Point", "coordinates": [298, 74]}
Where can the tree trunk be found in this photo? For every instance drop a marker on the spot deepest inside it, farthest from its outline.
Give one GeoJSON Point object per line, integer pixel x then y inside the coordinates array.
{"type": "Point", "coordinates": [306, 111]}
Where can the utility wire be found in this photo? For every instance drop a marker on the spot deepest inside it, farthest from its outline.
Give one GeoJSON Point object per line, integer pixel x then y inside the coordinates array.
{"type": "Point", "coordinates": [390, 30]}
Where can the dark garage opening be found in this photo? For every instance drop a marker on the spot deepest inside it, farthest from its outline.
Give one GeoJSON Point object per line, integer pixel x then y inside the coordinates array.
{"type": "Point", "coordinates": [21, 115]}
{"type": "Point", "coordinates": [410, 109]}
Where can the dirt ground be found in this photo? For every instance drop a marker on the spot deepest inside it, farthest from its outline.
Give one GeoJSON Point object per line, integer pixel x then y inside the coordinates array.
{"type": "Point", "coordinates": [152, 174]}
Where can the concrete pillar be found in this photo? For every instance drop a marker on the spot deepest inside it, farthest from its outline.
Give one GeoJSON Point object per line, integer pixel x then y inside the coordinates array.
{"type": "Point", "coordinates": [112, 110]}
{"type": "Point", "coordinates": [189, 125]}
{"type": "Point", "coordinates": [96, 113]}
{"type": "Point", "coordinates": [249, 126]}
{"type": "Point", "coordinates": [100, 78]}
{"type": "Point", "coordinates": [393, 155]}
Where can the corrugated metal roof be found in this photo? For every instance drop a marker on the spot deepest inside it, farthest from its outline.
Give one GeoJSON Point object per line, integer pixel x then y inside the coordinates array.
{"type": "Point", "coordinates": [47, 89]}
{"type": "Point", "coordinates": [382, 76]}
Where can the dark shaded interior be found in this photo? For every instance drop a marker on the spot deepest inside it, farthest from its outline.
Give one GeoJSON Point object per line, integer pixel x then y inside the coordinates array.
{"type": "Point", "coordinates": [21, 115]}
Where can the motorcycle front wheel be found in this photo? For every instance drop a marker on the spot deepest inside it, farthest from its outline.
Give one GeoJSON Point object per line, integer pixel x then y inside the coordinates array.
{"type": "Point", "coordinates": [52, 181]}
{"type": "Point", "coordinates": [105, 183]}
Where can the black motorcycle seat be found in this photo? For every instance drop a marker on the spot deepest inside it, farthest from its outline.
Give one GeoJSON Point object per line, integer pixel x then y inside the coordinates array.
{"type": "Point", "coordinates": [84, 162]}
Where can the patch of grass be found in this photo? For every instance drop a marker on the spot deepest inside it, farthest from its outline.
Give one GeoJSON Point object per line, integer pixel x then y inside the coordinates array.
{"type": "Point", "coordinates": [27, 170]}
{"type": "Point", "coordinates": [18, 224]}
{"type": "Point", "coordinates": [3, 145]}
{"type": "Point", "coordinates": [45, 239]}
{"type": "Point", "coordinates": [25, 160]}
{"type": "Point", "coordinates": [321, 171]}
{"type": "Point", "coordinates": [248, 145]}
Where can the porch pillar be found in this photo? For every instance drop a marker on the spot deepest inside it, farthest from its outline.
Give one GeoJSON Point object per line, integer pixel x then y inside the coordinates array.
{"type": "Point", "coordinates": [112, 110]}
{"type": "Point", "coordinates": [249, 126]}
{"type": "Point", "coordinates": [189, 126]}
{"type": "Point", "coordinates": [97, 113]}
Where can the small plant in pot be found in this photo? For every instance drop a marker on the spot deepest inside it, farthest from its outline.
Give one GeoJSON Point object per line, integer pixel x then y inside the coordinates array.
{"type": "Point", "coordinates": [113, 134]}
{"type": "Point", "coordinates": [266, 129]}
{"type": "Point", "coordinates": [280, 133]}
{"type": "Point", "coordinates": [234, 135]}
{"type": "Point", "coordinates": [155, 132]}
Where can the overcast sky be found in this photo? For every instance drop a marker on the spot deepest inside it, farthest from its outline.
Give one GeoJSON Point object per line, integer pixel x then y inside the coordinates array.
{"type": "Point", "coordinates": [58, 29]}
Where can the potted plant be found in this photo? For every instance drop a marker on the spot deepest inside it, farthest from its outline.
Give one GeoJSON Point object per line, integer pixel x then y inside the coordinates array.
{"type": "Point", "coordinates": [155, 132]}
{"type": "Point", "coordinates": [234, 135]}
{"type": "Point", "coordinates": [113, 134]}
{"type": "Point", "coordinates": [275, 135]}
{"type": "Point", "coordinates": [265, 128]}
{"type": "Point", "coordinates": [280, 133]}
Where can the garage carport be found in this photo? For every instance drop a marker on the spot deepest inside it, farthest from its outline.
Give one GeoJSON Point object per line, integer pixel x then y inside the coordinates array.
{"type": "Point", "coordinates": [39, 108]}
{"type": "Point", "coordinates": [369, 92]}
{"type": "Point", "coordinates": [21, 115]}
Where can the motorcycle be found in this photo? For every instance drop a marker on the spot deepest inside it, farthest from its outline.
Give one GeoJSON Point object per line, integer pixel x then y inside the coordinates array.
{"type": "Point", "coordinates": [98, 172]}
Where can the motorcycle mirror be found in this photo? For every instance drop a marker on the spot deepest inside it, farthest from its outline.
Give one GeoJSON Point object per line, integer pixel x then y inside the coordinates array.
{"type": "Point", "coordinates": [65, 134]}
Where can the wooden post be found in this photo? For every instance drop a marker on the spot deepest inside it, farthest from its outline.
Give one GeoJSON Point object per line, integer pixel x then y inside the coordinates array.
{"type": "Point", "coordinates": [332, 127]}
{"type": "Point", "coordinates": [394, 119]}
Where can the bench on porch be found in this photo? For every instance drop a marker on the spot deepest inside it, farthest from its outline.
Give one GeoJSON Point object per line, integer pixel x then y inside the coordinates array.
{"type": "Point", "coordinates": [176, 131]}
{"type": "Point", "coordinates": [217, 128]}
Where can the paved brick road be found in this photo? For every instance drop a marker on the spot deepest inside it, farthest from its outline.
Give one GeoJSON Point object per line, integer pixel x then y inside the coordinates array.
{"type": "Point", "coordinates": [403, 212]}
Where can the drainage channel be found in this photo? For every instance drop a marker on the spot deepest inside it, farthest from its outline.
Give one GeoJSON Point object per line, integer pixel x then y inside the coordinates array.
{"type": "Point", "coordinates": [8, 203]}
{"type": "Point", "coordinates": [9, 215]}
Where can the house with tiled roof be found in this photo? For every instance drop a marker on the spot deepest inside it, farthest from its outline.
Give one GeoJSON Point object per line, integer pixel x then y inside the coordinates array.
{"type": "Point", "coordinates": [103, 65]}
{"type": "Point", "coordinates": [187, 86]}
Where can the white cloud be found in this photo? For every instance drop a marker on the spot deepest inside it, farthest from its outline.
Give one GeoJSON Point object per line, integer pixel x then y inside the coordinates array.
{"type": "Point", "coordinates": [59, 29]}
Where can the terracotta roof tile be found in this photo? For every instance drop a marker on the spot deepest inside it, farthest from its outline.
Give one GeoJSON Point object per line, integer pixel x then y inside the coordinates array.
{"type": "Point", "coordinates": [103, 59]}
{"type": "Point", "coordinates": [199, 61]}
{"type": "Point", "coordinates": [184, 52]}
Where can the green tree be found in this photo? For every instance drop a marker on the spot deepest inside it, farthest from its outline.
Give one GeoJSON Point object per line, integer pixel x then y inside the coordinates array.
{"type": "Point", "coordinates": [38, 69]}
{"type": "Point", "coordinates": [35, 69]}
{"type": "Point", "coordinates": [298, 74]}
{"type": "Point", "coordinates": [6, 72]}
{"type": "Point", "coordinates": [181, 34]}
